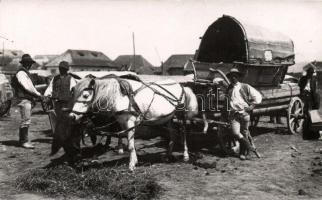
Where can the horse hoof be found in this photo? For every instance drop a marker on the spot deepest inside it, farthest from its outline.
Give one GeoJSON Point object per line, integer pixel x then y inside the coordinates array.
{"type": "Point", "coordinates": [120, 151]}
{"type": "Point", "coordinates": [131, 168]}
{"type": "Point", "coordinates": [186, 159]}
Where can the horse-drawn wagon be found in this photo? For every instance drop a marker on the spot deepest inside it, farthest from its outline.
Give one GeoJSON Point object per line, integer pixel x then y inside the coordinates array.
{"type": "Point", "coordinates": [261, 55]}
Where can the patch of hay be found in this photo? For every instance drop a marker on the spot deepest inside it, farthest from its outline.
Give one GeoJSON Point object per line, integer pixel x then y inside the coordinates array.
{"type": "Point", "coordinates": [97, 183]}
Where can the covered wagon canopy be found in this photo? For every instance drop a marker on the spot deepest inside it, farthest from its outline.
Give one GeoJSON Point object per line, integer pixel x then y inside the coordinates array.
{"type": "Point", "coordinates": [228, 40]}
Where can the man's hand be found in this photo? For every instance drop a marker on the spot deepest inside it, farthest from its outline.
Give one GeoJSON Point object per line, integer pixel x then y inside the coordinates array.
{"type": "Point", "coordinates": [250, 108]}
{"type": "Point", "coordinates": [42, 98]}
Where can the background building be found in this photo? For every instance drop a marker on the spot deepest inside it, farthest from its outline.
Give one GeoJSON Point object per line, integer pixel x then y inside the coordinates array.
{"type": "Point", "coordinates": [175, 63]}
{"type": "Point", "coordinates": [83, 60]}
{"type": "Point", "coordinates": [135, 63]}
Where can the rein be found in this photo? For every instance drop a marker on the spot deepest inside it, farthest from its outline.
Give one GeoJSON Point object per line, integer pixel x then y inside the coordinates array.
{"type": "Point", "coordinates": [172, 99]}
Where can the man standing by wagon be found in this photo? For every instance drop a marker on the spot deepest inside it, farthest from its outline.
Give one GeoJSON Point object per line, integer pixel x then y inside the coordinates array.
{"type": "Point", "coordinates": [60, 91]}
{"type": "Point", "coordinates": [25, 92]}
{"type": "Point", "coordinates": [308, 86]}
{"type": "Point", "coordinates": [60, 88]}
{"type": "Point", "coordinates": [242, 100]}
{"type": "Point", "coordinates": [310, 97]}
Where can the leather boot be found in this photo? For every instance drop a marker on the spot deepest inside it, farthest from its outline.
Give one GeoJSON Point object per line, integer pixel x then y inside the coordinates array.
{"type": "Point", "coordinates": [23, 138]}
{"type": "Point", "coordinates": [245, 147]}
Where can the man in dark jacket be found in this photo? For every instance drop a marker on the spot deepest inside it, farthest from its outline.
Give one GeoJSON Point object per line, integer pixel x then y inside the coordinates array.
{"type": "Point", "coordinates": [311, 99]}
{"type": "Point", "coordinates": [25, 92]}
{"type": "Point", "coordinates": [308, 90]}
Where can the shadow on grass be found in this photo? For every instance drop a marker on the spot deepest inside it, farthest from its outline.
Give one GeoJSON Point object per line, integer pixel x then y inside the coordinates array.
{"type": "Point", "coordinates": [13, 143]}
{"type": "Point", "coordinates": [42, 140]}
{"type": "Point", "coordinates": [47, 133]}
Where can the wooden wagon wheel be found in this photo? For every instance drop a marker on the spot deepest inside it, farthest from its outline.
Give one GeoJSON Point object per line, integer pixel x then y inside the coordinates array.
{"type": "Point", "coordinates": [295, 116]}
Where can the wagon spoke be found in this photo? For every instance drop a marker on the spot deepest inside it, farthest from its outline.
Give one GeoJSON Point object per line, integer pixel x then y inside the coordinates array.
{"type": "Point", "coordinates": [292, 126]}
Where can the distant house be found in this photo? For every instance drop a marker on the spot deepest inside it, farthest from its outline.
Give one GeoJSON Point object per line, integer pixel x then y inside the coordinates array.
{"type": "Point", "coordinates": [135, 63]}
{"type": "Point", "coordinates": [44, 59]}
{"type": "Point", "coordinates": [83, 60]}
{"type": "Point", "coordinates": [175, 63]}
{"type": "Point", "coordinates": [297, 69]}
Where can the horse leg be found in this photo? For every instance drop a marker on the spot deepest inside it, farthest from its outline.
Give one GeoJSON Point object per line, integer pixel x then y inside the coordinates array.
{"type": "Point", "coordinates": [172, 139]}
{"type": "Point", "coordinates": [133, 157]}
{"type": "Point", "coordinates": [107, 142]}
{"type": "Point", "coordinates": [120, 145]}
{"type": "Point", "coordinates": [185, 145]}
{"type": "Point", "coordinates": [128, 122]}
{"type": "Point", "coordinates": [206, 125]}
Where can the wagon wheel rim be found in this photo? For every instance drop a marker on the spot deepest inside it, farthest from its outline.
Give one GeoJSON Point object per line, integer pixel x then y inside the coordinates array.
{"type": "Point", "coordinates": [295, 116]}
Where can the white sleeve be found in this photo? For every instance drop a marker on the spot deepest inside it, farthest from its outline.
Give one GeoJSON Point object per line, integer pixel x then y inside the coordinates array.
{"type": "Point", "coordinates": [49, 90]}
{"type": "Point", "coordinates": [73, 82]}
{"type": "Point", "coordinates": [255, 95]}
{"type": "Point", "coordinates": [25, 81]}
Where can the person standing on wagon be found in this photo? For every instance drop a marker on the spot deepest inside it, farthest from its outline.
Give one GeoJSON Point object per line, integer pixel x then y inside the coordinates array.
{"type": "Point", "coordinates": [242, 100]}
{"type": "Point", "coordinates": [25, 92]}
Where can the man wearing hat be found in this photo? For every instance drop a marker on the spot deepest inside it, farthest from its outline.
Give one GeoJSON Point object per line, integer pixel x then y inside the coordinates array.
{"type": "Point", "coordinates": [25, 92]}
{"type": "Point", "coordinates": [60, 88]}
{"type": "Point", "coordinates": [308, 86]}
{"type": "Point", "coordinates": [310, 97]}
{"type": "Point", "coordinates": [242, 100]}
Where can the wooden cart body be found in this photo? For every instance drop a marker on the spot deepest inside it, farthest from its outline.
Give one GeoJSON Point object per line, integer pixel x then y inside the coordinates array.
{"type": "Point", "coordinates": [261, 55]}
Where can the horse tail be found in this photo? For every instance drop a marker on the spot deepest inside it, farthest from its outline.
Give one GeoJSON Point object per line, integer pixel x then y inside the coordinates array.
{"type": "Point", "coordinates": [191, 103]}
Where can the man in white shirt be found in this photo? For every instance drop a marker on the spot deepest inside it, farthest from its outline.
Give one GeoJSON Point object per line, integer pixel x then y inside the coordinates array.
{"type": "Point", "coordinates": [25, 92]}
{"type": "Point", "coordinates": [242, 100]}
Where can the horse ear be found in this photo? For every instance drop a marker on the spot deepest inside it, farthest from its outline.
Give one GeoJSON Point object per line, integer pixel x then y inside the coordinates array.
{"type": "Point", "coordinates": [92, 83]}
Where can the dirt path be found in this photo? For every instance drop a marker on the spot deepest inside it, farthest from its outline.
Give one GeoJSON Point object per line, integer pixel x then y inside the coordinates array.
{"type": "Point", "coordinates": [289, 165]}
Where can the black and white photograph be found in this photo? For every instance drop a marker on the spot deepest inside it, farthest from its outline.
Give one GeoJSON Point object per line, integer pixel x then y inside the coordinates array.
{"type": "Point", "coordinates": [160, 99]}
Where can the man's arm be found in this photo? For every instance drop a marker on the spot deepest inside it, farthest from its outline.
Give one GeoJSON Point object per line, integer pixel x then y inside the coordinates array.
{"type": "Point", "coordinates": [255, 95]}
{"type": "Point", "coordinates": [27, 84]}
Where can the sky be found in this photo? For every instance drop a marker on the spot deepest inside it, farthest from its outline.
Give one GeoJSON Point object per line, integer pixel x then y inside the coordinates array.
{"type": "Point", "coordinates": [161, 28]}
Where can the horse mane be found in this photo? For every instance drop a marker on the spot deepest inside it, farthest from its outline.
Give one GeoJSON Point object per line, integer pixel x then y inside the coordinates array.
{"type": "Point", "coordinates": [107, 93]}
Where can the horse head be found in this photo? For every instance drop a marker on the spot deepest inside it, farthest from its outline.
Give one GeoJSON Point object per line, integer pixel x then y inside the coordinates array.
{"type": "Point", "coordinates": [83, 97]}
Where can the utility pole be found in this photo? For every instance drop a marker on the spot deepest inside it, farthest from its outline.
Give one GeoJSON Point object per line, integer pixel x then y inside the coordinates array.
{"type": "Point", "coordinates": [4, 39]}
{"type": "Point", "coordinates": [133, 43]}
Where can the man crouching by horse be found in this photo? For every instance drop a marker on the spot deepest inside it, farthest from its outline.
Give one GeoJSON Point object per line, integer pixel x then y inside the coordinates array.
{"type": "Point", "coordinates": [242, 100]}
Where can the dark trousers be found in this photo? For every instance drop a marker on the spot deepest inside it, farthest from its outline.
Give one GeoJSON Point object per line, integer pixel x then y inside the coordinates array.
{"type": "Point", "coordinates": [309, 104]}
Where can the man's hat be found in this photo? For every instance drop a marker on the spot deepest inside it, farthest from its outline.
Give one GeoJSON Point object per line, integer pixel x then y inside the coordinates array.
{"type": "Point", "coordinates": [26, 58]}
{"type": "Point", "coordinates": [64, 64]}
{"type": "Point", "coordinates": [234, 71]}
{"type": "Point", "coordinates": [310, 69]}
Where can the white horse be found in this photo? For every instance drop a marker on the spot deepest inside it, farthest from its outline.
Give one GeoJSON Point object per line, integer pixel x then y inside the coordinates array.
{"type": "Point", "coordinates": [133, 103]}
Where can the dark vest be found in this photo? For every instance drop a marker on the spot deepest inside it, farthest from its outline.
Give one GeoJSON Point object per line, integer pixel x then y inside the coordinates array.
{"type": "Point", "coordinates": [19, 91]}
{"type": "Point", "coordinates": [61, 88]}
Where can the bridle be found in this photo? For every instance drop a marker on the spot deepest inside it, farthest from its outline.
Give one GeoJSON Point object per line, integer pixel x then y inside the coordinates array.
{"type": "Point", "coordinates": [131, 94]}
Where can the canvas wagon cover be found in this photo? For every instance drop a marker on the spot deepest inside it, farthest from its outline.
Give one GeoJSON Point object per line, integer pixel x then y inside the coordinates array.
{"type": "Point", "coordinates": [228, 40]}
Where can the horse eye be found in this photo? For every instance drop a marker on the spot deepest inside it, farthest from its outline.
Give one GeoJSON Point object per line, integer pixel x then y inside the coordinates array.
{"type": "Point", "coordinates": [86, 96]}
